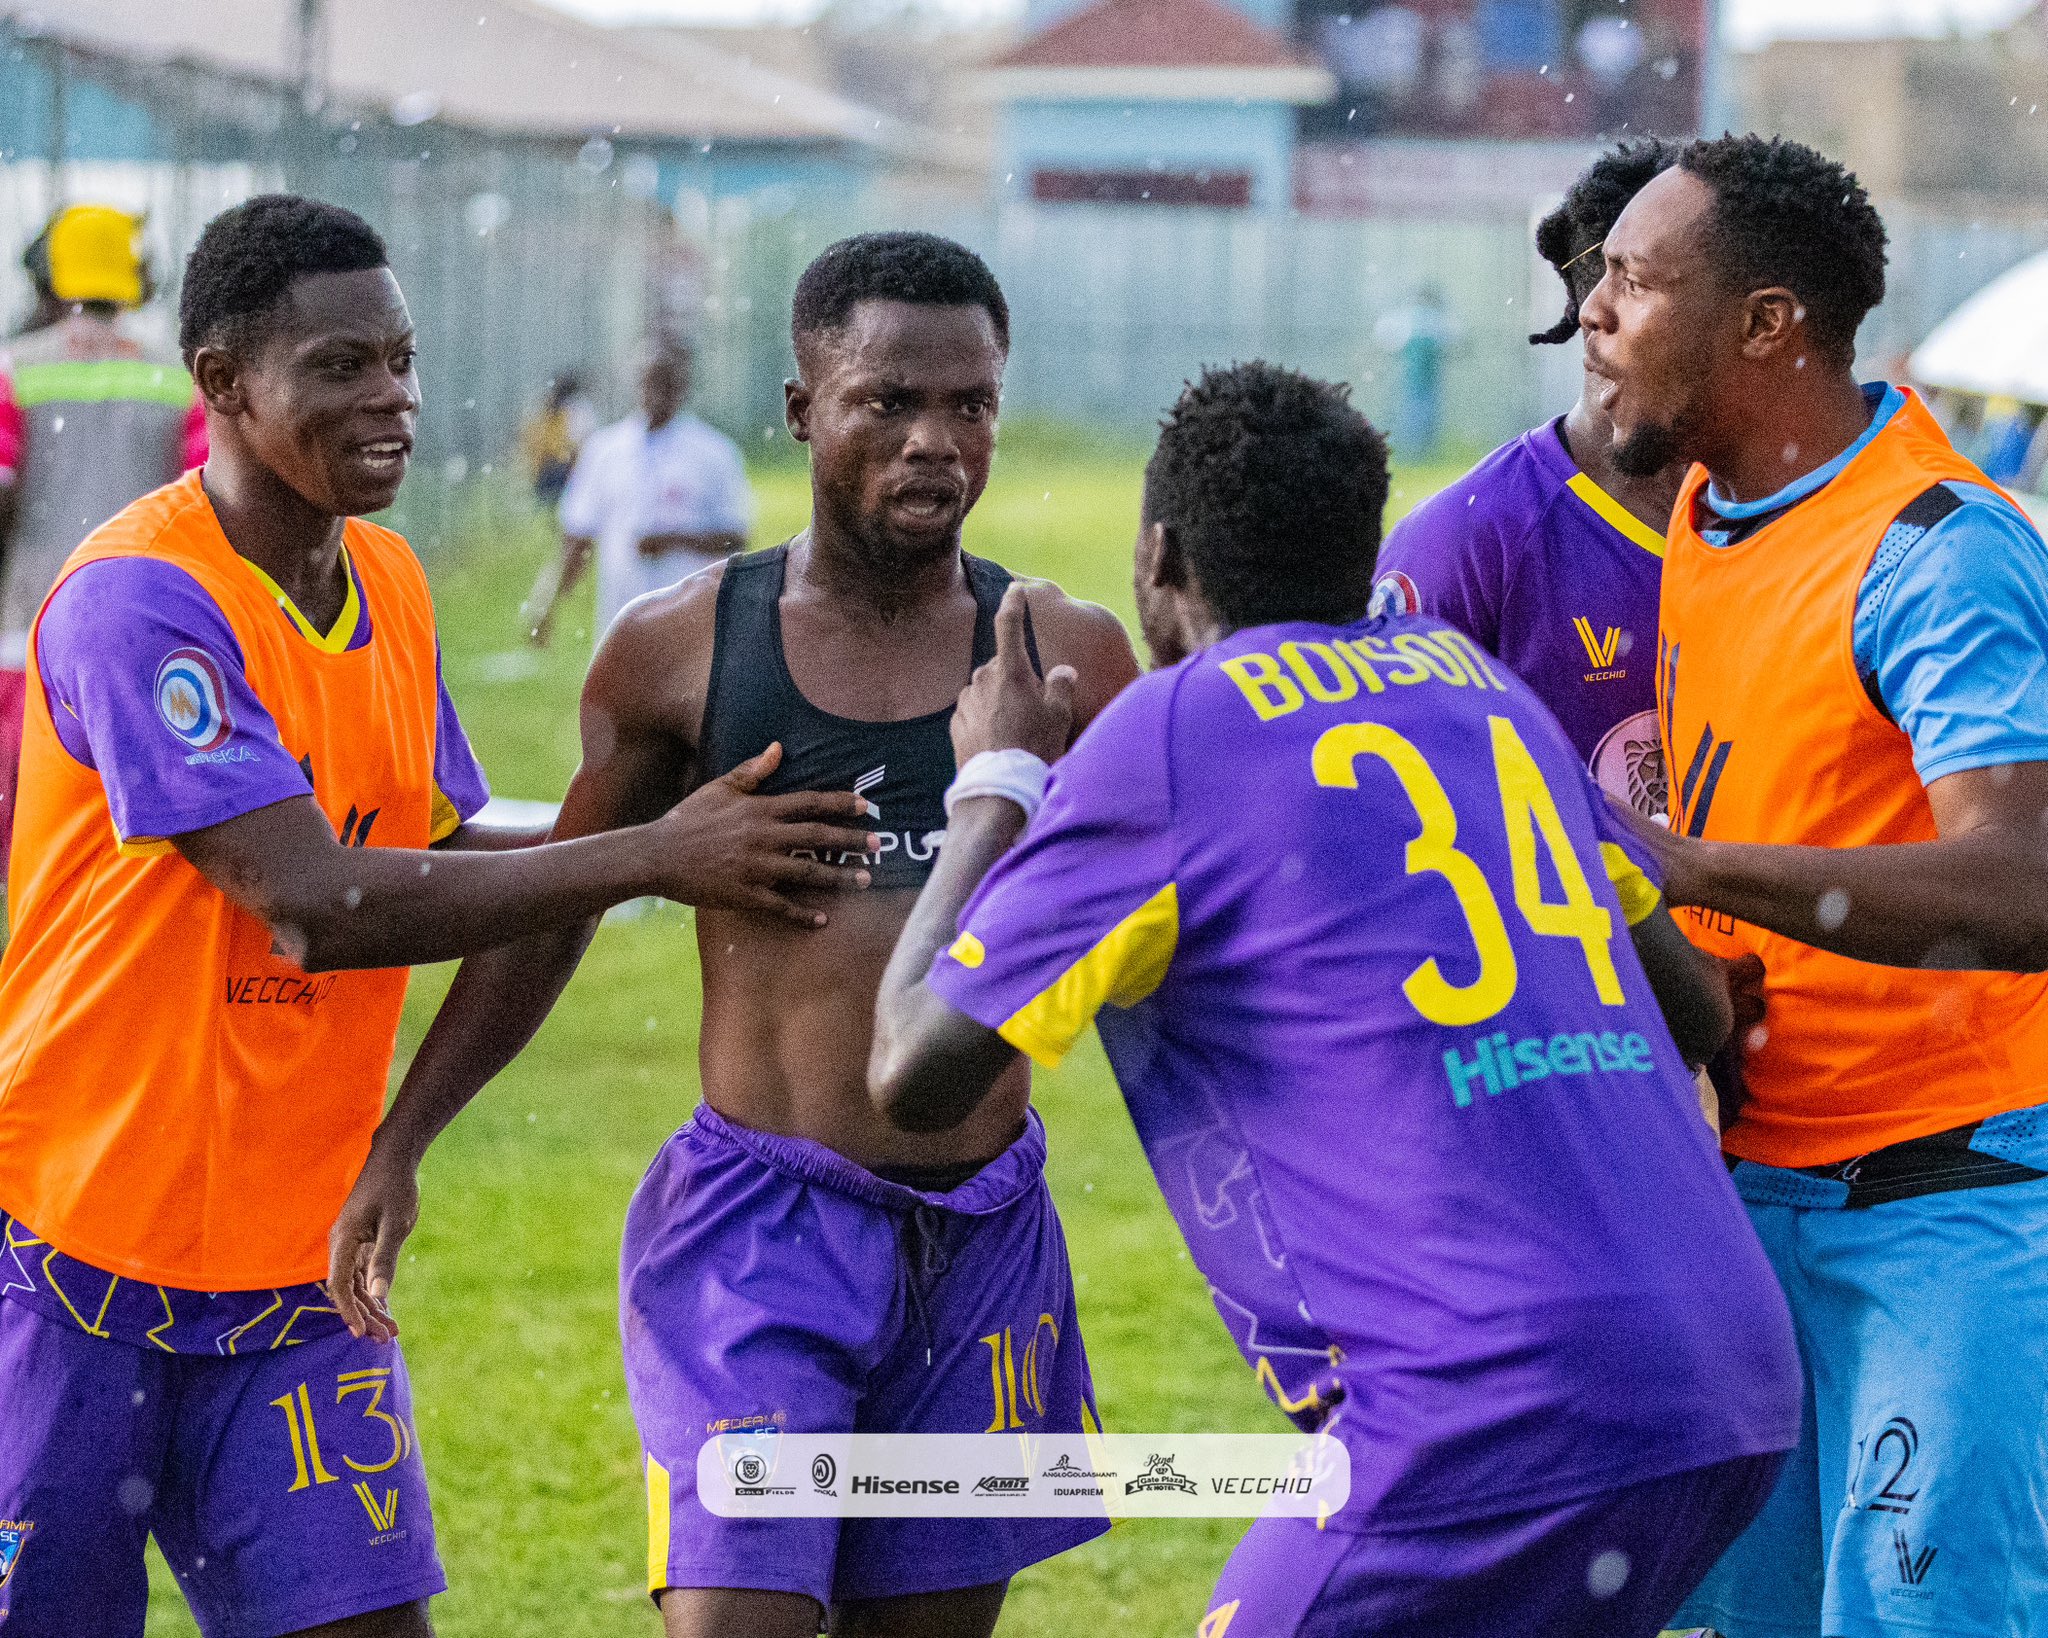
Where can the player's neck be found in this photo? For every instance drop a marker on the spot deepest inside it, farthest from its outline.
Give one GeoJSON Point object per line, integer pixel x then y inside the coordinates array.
{"type": "Point", "coordinates": [865, 583]}
{"type": "Point", "coordinates": [272, 525]}
{"type": "Point", "coordinates": [1589, 441]}
{"type": "Point", "coordinates": [1792, 427]}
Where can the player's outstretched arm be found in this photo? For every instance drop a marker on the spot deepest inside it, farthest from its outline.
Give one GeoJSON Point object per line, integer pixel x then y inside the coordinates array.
{"type": "Point", "coordinates": [1977, 897]}
{"type": "Point", "coordinates": [333, 906]}
{"type": "Point", "coordinates": [931, 1065]}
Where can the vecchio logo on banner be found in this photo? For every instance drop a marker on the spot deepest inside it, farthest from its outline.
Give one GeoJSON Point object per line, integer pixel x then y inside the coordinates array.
{"type": "Point", "coordinates": [1030, 1475]}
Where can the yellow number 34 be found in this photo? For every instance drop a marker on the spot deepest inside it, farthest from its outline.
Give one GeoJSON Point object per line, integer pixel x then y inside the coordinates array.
{"type": "Point", "coordinates": [1528, 810]}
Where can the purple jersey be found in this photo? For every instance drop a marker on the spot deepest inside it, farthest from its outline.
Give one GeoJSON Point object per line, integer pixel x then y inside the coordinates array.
{"type": "Point", "coordinates": [1545, 569]}
{"type": "Point", "coordinates": [1373, 1004]}
{"type": "Point", "coordinates": [101, 642]}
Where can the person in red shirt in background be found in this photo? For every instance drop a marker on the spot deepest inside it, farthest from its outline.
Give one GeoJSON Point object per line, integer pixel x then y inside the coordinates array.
{"type": "Point", "coordinates": [89, 421]}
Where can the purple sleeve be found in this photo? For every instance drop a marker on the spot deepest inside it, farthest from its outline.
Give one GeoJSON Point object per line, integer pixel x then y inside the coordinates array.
{"type": "Point", "coordinates": [1615, 830]}
{"type": "Point", "coordinates": [1444, 558]}
{"type": "Point", "coordinates": [458, 776]}
{"type": "Point", "coordinates": [144, 679]}
{"type": "Point", "coordinates": [1083, 911]}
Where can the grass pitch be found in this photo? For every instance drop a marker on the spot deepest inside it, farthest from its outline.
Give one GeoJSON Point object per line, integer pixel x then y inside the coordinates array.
{"type": "Point", "coordinates": [507, 1293]}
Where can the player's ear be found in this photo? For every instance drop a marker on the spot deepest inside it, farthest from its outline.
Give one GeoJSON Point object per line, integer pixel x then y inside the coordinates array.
{"type": "Point", "coordinates": [1168, 568]}
{"type": "Point", "coordinates": [1770, 318]}
{"type": "Point", "coordinates": [217, 374]}
{"type": "Point", "coordinates": [796, 409]}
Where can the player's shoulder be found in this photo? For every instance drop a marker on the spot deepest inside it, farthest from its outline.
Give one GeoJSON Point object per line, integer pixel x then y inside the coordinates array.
{"type": "Point", "coordinates": [1072, 631]}
{"type": "Point", "coordinates": [1527, 469]}
{"type": "Point", "coordinates": [659, 643]}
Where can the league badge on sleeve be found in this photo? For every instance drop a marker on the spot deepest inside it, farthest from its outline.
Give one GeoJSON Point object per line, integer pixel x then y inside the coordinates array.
{"type": "Point", "coordinates": [14, 1534]}
{"type": "Point", "coordinates": [1394, 593]}
{"type": "Point", "coordinates": [192, 699]}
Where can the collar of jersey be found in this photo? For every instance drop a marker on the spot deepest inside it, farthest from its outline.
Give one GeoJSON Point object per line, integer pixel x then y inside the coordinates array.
{"type": "Point", "coordinates": [337, 638]}
{"type": "Point", "coordinates": [1885, 401]}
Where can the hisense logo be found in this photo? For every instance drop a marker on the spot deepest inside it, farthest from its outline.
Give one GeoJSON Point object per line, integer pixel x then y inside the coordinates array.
{"type": "Point", "coordinates": [1500, 1065]}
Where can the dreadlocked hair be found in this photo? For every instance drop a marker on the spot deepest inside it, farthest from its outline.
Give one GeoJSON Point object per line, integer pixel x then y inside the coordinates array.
{"type": "Point", "coordinates": [1569, 236]}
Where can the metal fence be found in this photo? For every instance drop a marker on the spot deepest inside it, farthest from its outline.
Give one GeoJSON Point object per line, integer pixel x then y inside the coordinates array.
{"type": "Point", "coordinates": [521, 258]}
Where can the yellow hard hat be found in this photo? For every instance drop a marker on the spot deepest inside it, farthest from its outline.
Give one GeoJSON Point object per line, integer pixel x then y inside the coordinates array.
{"type": "Point", "coordinates": [96, 255]}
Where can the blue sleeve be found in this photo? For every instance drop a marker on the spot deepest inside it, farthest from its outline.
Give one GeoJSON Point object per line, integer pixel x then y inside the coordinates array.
{"type": "Point", "coordinates": [145, 684]}
{"type": "Point", "coordinates": [1954, 630]}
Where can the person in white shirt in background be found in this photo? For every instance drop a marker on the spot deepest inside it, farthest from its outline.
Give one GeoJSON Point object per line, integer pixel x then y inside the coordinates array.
{"type": "Point", "coordinates": [652, 498]}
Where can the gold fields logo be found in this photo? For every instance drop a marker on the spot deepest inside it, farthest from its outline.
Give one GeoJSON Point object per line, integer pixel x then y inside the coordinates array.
{"type": "Point", "coordinates": [1602, 651]}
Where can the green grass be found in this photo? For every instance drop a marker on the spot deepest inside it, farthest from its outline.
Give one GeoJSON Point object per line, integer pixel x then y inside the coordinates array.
{"type": "Point", "coordinates": [507, 1291]}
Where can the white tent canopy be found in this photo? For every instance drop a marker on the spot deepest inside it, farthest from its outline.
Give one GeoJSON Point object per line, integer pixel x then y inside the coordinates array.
{"type": "Point", "coordinates": [1996, 343]}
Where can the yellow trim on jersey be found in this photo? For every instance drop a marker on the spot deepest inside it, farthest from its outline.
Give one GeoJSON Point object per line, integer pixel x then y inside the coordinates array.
{"type": "Point", "coordinates": [1639, 895]}
{"type": "Point", "coordinates": [445, 821]}
{"type": "Point", "coordinates": [1124, 967]}
{"type": "Point", "coordinates": [143, 847]}
{"type": "Point", "coordinates": [1617, 516]}
{"type": "Point", "coordinates": [658, 1520]}
{"type": "Point", "coordinates": [336, 640]}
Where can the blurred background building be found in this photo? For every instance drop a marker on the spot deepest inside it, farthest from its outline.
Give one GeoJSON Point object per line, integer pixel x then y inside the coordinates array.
{"type": "Point", "coordinates": [1159, 183]}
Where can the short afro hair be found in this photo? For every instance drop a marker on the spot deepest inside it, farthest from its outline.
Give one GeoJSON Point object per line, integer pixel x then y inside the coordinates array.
{"type": "Point", "coordinates": [245, 262]}
{"type": "Point", "coordinates": [1273, 486]}
{"type": "Point", "coordinates": [920, 268]}
{"type": "Point", "coordinates": [1569, 238]}
{"type": "Point", "coordinates": [1786, 215]}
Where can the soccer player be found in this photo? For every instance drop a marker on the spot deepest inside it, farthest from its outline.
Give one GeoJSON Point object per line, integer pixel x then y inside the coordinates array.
{"type": "Point", "coordinates": [88, 423]}
{"type": "Point", "coordinates": [791, 1261]}
{"type": "Point", "coordinates": [1547, 553]}
{"type": "Point", "coordinates": [243, 776]}
{"type": "Point", "coordinates": [1853, 676]}
{"type": "Point", "coordinates": [1341, 889]}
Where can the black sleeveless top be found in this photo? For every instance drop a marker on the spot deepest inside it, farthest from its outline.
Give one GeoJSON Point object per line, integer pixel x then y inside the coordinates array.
{"type": "Point", "coordinates": [902, 767]}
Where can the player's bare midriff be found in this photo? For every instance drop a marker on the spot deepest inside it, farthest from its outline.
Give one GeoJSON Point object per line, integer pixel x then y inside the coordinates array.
{"type": "Point", "coordinates": [788, 1016]}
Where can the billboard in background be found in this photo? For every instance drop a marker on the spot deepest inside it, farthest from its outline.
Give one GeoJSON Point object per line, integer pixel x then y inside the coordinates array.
{"type": "Point", "coordinates": [1559, 70]}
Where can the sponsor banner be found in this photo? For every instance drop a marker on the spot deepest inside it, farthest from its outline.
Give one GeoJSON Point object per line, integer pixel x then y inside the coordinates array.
{"type": "Point", "coordinates": [766, 1473]}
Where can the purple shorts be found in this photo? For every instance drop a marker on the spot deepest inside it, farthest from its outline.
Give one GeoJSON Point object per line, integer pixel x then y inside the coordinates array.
{"type": "Point", "coordinates": [284, 1487]}
{"type": "Point", "coordinates": [1615, 1565]}
{"type": "Point", "coordinates": [770, 1283]}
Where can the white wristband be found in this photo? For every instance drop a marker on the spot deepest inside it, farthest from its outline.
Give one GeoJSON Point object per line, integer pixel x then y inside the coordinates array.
{"type": "Point", "coordinates": [1016, 776]}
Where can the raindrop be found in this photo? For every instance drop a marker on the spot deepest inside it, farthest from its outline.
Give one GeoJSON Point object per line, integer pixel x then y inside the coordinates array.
{"type": "Point", "coordinates": [1790, 453]}
{"type": "Point", "coordinates": [353, 897]}
{"type": "Point", "coordinates": [426, 865]}
{"type": "Point", "coordinates": [1756, 1039]}
{"type": "Point", "coordinates": [1833, 909]}
{"type": "Point", "coordinates": [415, 108]}
{"type": "Point", "coordinates": [1607, 1573]}
{"type": "Point", "coordinates": [595, 155]}
{"type": "Point", "coordinates": [1569, 95]}
{"type": "Point", "coordinates": [532, 1118]}
{"type": "Point", "coordinates": [57, 423]}
{"type": "Point", "coordinates": [137, 1397]}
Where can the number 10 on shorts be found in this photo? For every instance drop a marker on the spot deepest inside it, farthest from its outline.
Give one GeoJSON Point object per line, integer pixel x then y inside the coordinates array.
{"type": "Point", "coordinates": [1016, 1390]}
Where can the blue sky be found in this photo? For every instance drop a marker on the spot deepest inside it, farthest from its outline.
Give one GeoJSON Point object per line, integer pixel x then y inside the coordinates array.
{"type": "Point", "coordinates": [1744, 22]}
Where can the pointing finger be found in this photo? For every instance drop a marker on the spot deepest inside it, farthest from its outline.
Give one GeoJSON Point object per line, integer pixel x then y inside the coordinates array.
{"type": "Point", "coordinates": [1010, 646]}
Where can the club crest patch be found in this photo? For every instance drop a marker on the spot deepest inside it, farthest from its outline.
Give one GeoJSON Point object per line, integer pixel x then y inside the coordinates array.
{"type": "Point", "coordinates": [192, 698]}
{"type": "Point", "coordinates": [14, 1534]}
